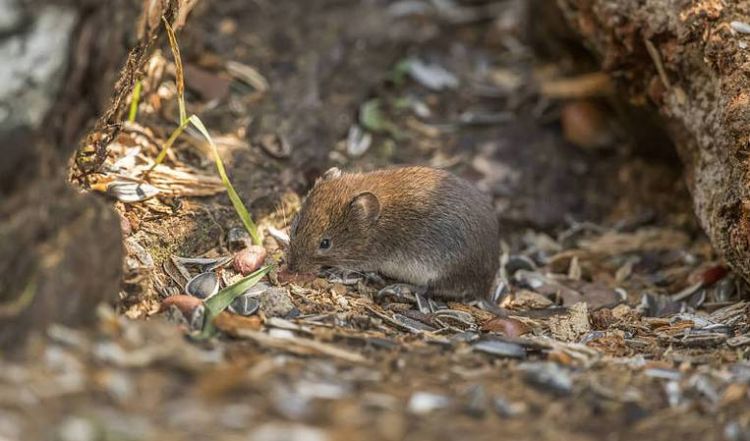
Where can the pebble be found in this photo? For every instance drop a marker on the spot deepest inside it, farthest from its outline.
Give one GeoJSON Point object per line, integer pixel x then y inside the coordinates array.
{"type": "Point", "coordinates": [238, 239]}
{"type": "Point", "coordinates": [77, 429]}
{"type": "Point", "coordinates": [741, 27]}
{"type": "Point", "coordinates": [507, 409]}
{"type": "Point", "coordinates": [10, 425]}
{"type": "Point", "coordinates": [276, 302]}
{"type": "Point", "coordinates": [287, 432]}
{"type": "Point", "coordinates": [549, 376]}
{"type": "Point", "coordinates": [249, 259]}
{"type": "Point", "coordinates": [476, 401]}
{"type": "Point", "coordinates": [422, 403]}
{"type": "Point", "coordinates": [737, 431]}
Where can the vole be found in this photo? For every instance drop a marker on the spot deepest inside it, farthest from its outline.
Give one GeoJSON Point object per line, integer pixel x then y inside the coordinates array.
{"type": "Point", "coordinates": [418, 225]}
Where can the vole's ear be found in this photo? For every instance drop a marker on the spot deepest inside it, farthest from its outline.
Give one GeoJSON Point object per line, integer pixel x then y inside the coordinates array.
{"type": "Point", "coordinates": [365, 206]}
{"type": "Point", "coordinates": [331, 173]}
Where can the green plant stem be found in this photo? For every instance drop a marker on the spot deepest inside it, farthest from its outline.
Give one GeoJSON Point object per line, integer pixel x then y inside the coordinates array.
{"type": "Point", "coordinates": [247, 221]}
{"type": "Point", "coordinates": [135, 99]}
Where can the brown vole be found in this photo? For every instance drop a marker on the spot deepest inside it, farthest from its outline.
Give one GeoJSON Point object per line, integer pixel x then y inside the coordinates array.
{"type": "Point", "coordinates": [418, 225]}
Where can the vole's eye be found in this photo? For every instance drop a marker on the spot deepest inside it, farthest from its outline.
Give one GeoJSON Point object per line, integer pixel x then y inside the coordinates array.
{"type": "Point", "coordinates": [325, 244]}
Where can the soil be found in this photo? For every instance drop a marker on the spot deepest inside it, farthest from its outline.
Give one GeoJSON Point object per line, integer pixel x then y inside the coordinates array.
{"type": "Point", "coordinates": [599, 223]}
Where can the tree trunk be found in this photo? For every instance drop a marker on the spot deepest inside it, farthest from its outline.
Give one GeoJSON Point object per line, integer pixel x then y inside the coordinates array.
{"type": "Point", "coordinates": [60, 250]}
{"type": "Point", "coordinates": [688, 60]}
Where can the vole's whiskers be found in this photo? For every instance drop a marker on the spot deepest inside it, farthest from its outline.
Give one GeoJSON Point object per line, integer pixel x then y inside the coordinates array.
{"type": "Point", "coordinates": [342, 269]}
{"type": "Point", "coordinates": [283, 213]}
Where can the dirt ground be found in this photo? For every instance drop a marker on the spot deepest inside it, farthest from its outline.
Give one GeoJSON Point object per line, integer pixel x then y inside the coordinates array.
{"type": "Point", "coordinates": [628, 326]}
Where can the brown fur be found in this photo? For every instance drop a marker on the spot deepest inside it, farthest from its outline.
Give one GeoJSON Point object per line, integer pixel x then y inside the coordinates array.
{"type": "Point", "coordinates": [419, 225]}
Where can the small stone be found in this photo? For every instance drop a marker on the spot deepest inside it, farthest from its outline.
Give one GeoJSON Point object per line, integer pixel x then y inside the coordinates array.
{"type": "Point", "coordinates": [287, 432]}
{"type": "Point", "coordinates": [250, 259]}
{"type": "Point", "coordinates": [476, 401]}
{"type": "Point", "coordinates": [548, 376]}
{"type": "Point", "coordinates": [10, 15]}
{"type": "Point", "coordinates": [422, 403]}
{"type": "Point", "coordinates": [508, 409]}
{"type": "Point", "coordinates": [276, 302]}
{"type": "Point", "coordinates": [77, 429]}
{"type": "Point", "coordinates": [741, 27]}
{"type": "Point", "coordinates": [238, 239]}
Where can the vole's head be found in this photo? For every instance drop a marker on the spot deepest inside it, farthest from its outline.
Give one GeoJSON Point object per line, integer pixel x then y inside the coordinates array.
{"type": "Point", "coordinates": [334, 225]}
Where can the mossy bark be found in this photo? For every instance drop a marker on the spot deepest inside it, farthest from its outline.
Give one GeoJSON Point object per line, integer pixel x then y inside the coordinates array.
{"type": "Point", "coordinates": [60, 248]}
{"type": "Point", "coordinates": [684, 58]}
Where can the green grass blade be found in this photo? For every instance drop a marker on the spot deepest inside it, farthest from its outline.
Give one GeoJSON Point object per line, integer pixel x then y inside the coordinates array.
{"type": "Point", "coordinates": [219, 302]}
{"type": "Point", "coordinates": [134, 101]}
{"type": "Point", "coordinates": [167, 145]}
{"type": "Point", "coordinates": [247, 221]}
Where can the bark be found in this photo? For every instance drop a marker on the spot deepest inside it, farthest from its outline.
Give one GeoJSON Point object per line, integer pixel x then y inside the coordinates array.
{"type": "Point", "coordinates": [684, 58]}
{"type": "Point", "coordinates": [60, 249]}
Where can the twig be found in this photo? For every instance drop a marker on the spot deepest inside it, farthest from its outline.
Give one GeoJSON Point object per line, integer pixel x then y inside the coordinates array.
{"type": "Point", "coordinates": [301, 346]}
